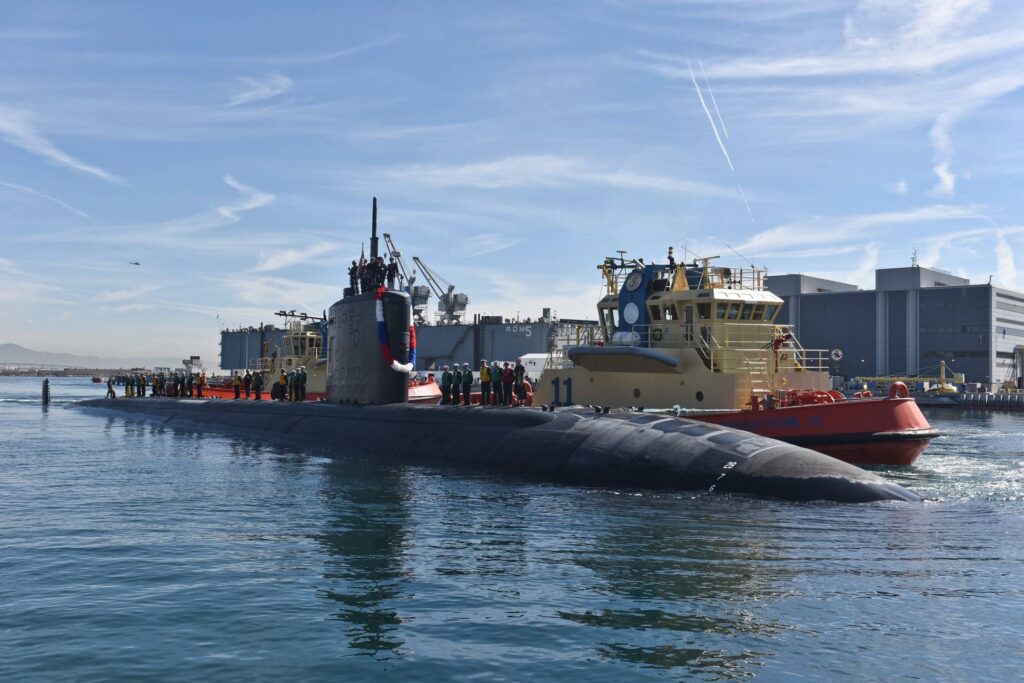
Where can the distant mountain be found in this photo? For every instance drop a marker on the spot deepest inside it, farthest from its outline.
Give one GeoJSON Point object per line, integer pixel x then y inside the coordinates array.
{"type": "Point", "coordinates": [14, 354]}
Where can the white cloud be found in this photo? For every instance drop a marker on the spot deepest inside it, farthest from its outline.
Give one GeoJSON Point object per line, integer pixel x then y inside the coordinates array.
{"type": "Point", "coordinates": [17, 129]}
{"type": "Point", "coordinates": [286, 258]}
{"type": "Point", "coordinates": [126, 294]}
{"type": "Point", "coordinates": [545, 170]}
{"type": "Point", "coordinates": [277, 292]}
{"type": "Point", "coordinates": [259, 89]}
{"type": "Point", "coordinates": [1006, 266]}
{"type": "Point", "coordinates": [225, 214]}
{"type": "Point", "coordinates": [487, 243]}
{"type": "Point", "coordinates": [836, 229]}
{"type": "Point", "coordinates": [899, 187]}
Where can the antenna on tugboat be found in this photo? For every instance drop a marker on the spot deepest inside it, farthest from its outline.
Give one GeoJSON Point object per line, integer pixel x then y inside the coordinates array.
{"type": "Point", "coordinates": [736, 252]}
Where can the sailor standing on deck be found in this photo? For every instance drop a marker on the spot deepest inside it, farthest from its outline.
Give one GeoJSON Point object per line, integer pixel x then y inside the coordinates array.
{"type": "Point", "coordinates": [456, 384]}
{"type": "Point", "coordinates": [496, 383]}
{"type": "Point", "coordinates": [257, 383]}
{"type": "Point", "coordinates": [247, 382]}
{"type": "Point", "coordinates": [110, 388]}
{"type": "Point", "coordinates": [467, 383]}
{"type": "Point", "coordinates": [446, 386]}
{"type": "Point", "coordinates": [237, 382]}
{"type": "Point", "coordinates": [189, 380]}
{"type": "Point", "coordinates": [519, 377]}
{"type": "Point", "coordinates": [508, 377]}
{"type": "Point", "coordinates": [485, 383]}
{"type": "Point", "coordinates": [302, 383]}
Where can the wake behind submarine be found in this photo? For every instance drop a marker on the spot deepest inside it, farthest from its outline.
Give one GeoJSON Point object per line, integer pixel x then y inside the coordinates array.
{"type": "Point", "coordinates": [366, 414]}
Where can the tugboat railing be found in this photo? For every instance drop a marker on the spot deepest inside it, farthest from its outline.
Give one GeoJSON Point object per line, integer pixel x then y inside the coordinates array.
{"type": "Point", "coordinates": [734, 346]}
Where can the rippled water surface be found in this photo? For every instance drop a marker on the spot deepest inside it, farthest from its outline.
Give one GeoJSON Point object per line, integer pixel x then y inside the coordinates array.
{"type": "Point", "coordinates": [130, 551]}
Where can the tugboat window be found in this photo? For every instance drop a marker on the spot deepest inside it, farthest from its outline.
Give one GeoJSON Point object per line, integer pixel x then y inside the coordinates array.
{"type": "Point", "coordinates": [655, 313]}
{"type": "Point", "coordinates": [748, 310]}
{"type": "Point", "coordinates": [720, 309]}
{"type": "Point", "coordinates": [670, 312]}
{"type": "Point", "coordinates": [769, 312]}
{"type": "Point", "coordinates": [734, 311]}
{"type": "Point", "coordinates": [704, 311]}
{"type": "Point", "coordinates": [758, 311]}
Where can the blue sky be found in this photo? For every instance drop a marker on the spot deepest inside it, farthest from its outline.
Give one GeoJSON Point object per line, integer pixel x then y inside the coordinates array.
{"type": "Point", "coordinates": [233, 148]}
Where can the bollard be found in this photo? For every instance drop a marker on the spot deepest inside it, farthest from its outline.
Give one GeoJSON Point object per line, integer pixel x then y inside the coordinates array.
{"type": "Point", "coordinates": [46, 392]}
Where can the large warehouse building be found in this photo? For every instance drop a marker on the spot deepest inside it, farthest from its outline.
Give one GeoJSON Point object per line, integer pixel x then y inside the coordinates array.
{"type": "Point", "coordinates": [913, 319]}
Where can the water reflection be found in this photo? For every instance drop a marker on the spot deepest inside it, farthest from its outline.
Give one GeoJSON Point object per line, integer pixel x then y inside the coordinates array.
{"type": "Point", "coordinates": [364, 540]}
{"type": "Point", "coordinates": [683, 586]}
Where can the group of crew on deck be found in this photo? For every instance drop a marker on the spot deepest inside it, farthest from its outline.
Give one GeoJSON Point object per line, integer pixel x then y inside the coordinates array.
{"type": "Point", "coordinates": [501, 384]}
{"type": "Point", "coordinates": [289, 386]}
{"type": "Point", "coordinates": [180, 384]}
{"type": "Point", "coordinates": [370, 275]}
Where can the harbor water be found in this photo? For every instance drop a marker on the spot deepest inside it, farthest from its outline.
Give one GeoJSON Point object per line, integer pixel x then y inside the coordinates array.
{"type": "Point", "coordinates": [131, 551]}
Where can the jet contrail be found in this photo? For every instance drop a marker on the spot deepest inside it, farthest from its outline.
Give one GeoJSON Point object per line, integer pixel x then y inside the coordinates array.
{"type": "Point", "coordinates": [714, 103]}
{"type": "Point", "coordinates": [714, 128]}
{"type": "Point", "coordinates": [746, 204]}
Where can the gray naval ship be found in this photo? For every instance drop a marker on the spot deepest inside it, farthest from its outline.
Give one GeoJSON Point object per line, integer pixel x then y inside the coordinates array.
{"type": "Point", "coordinates": [366, 414]}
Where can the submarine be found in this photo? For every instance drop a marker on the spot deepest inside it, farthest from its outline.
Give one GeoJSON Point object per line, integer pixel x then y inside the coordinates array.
{"type": "Point", "coordinates": [371, 350]}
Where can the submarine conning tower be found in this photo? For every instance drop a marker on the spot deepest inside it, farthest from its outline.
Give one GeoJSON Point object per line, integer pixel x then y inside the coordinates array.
{"type": "Point", "coordinates": [370, 342]}
{"type": "Point", "coordinates": [358, 366]}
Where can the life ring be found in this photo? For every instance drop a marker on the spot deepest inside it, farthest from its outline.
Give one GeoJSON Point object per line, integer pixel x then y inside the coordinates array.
{"type": "Point", "coordinates": [656, 334]}
{"type": "Point", "coordinates": [898, 389]}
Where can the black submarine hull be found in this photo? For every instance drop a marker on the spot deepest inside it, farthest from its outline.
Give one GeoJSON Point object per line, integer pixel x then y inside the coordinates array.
{"type": "Point", "coordinates": [622, 450]}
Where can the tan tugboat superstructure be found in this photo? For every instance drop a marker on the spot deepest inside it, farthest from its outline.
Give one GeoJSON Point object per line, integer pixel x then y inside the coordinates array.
{"type": "Point", "coordinates": [702, 337]}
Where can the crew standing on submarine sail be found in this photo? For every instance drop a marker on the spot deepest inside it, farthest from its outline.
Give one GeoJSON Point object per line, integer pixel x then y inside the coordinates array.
{"type": "Point", "coordinates": [467, 383]}
{"type": "Point", "coordinates": [257, 383]}
{"type": "Point", "coordinates": [353, 278]}
{"type": "Point", "coordinates": [238, 385]}
{"type": "Point", "coordinates": [392, 273]}
{"type": "Point", "coordinates": [247, 381]}
{"type": "Point", "coordinates": [302, 383]}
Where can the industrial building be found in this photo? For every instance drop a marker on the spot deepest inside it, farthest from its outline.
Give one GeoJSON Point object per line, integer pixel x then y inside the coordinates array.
{"type": "Point", "coordinates": [913, 319]}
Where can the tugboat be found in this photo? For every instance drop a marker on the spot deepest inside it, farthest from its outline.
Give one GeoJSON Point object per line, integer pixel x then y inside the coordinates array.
{"type": "Point", "coordinates": [701, 340]}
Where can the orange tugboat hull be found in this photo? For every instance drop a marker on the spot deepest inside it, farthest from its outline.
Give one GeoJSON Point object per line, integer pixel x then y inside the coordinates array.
{"type": "Point", "coordinates": [870, 431]}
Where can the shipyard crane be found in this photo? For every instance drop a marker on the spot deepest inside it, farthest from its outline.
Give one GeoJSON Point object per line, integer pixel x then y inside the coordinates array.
{"type": "Point", "coordinates": [418, 294]}
{"type": "Point", "coordinates": [451, 305]}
